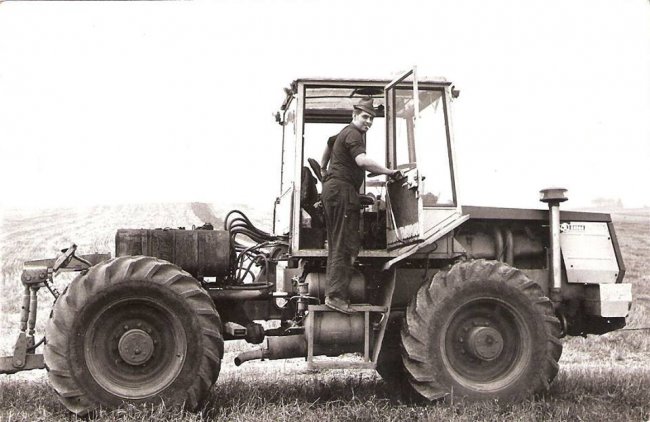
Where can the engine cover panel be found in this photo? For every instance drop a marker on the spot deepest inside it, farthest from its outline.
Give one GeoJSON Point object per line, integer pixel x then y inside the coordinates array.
{"type": "Point", "coordinates": [588, 253]}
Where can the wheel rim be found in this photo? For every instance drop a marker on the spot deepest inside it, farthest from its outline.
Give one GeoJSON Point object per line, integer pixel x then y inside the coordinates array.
{"type": "Point", "coordinates": [486, 344]}
{"type": "Point", "coordinates": [135, 347]}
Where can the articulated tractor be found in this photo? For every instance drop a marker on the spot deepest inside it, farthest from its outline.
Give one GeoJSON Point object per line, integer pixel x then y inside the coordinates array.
{"type": "Point", "coordinates": [447, 299]}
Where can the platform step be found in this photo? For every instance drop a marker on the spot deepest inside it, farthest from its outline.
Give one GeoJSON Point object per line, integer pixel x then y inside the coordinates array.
{"type": "Point", "coordinates": [356, 307]}
{"type": "Point", "coordinates": [340, 364]}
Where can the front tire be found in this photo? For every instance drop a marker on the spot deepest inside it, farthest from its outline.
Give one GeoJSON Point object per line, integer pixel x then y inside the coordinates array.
{"type": "Point", "coordinates": [480, 330]}
{"type": "Point", "coordinates": [136, 330]}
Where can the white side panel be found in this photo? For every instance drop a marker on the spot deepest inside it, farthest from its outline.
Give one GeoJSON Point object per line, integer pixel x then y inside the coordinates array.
{"type": "Point", "coordinates": [588, 253]}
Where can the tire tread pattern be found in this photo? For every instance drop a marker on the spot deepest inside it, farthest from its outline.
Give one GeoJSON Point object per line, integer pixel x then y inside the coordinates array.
{"type": "Point", "coordinates": [103, 275]}
{"type": "Point", "coordinates": [414, 334]}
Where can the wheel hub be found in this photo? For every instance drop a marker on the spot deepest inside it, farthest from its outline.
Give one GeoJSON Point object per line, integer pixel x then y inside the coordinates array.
{"type": "Point", "coordinates": [484, 343]}
{"type": "Point", "coordinates": [135, 347]}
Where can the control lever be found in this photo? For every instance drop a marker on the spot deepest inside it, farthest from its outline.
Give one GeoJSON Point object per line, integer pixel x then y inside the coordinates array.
{"type": "Point", "coordinates": [69, 261]}
{"type": "Point", "coordinates": [65, 258]}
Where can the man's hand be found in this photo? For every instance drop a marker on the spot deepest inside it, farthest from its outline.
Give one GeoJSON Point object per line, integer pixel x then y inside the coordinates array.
{"type": "Point", "coordinates": [396, 175]}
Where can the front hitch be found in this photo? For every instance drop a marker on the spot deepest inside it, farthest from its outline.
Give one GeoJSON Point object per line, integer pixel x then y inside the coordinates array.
{"type": "Point", "coordinates": [37, 274]}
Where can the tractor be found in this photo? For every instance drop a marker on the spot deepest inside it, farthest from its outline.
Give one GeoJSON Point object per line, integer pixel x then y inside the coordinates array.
{"type": "Point", "coordinates": [447, 299]}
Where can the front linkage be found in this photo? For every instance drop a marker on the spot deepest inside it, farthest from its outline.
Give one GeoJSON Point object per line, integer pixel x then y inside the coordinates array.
{"type": "Point", "coordinates": [37, 274]}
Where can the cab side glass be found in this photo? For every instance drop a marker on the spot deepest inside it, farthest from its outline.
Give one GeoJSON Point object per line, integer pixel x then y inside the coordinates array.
{"type": "Point", "coordinates": [423, 141]}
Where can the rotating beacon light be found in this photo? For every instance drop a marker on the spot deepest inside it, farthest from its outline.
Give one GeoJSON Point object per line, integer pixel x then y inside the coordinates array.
{"type": "Point", "coordinates": [553, 197]}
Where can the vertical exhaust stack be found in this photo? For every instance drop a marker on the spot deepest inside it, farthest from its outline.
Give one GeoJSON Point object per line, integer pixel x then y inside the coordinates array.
{"type": "Point", "coordinates": [553, 197]}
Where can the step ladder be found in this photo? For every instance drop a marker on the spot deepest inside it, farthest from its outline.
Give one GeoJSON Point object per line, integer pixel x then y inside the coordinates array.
{"type": "Point", "coordinates": [370, 355]}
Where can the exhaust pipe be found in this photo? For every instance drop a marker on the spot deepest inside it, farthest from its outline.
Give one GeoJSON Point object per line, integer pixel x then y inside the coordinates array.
{"type": "Point", "coordinates": [284, 347]}
{"type": "Point", "coordinates": [553, 197]}
{"type": "Point", "coordinates": [251, 355]}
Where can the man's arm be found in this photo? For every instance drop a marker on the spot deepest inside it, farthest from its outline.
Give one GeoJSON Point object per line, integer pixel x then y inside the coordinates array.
{"type": "Point", "coordinates": [324, 161]}
{"type": "Point", "coordinates": [327, 155]}
{"type": "Point", "coordinates": [372, 166]}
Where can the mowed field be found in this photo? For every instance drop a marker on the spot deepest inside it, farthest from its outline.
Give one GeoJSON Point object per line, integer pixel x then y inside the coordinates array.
{"type": "Point", "coordinates": [602, 378]}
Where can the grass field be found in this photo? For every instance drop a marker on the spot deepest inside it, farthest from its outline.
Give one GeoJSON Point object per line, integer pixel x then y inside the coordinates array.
{"type": "Point", "coordinates": [602, 378]}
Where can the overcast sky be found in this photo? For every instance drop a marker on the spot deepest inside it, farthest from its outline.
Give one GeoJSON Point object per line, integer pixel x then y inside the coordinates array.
{"type": "Point", "coordinates": [172, 101]}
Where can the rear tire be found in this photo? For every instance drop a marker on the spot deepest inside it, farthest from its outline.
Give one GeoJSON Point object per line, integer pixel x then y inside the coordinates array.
{"type": "Point", "coordinates": [136, 330]}
{"type": "Point", "coordinates": [481, 330]}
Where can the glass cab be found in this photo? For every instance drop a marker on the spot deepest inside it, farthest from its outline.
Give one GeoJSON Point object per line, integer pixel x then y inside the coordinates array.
{"type": "Point", "coordinates": [411, 132]}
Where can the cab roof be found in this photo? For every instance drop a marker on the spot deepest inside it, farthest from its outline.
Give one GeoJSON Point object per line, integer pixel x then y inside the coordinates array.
{"type": "Point", "coordinates": [440, 81]}
{"type": "Point", "coordinates": [330, 100]}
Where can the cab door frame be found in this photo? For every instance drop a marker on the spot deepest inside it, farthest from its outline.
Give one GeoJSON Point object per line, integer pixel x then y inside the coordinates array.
{"type": "Point", "coordinates": [404, 203]}
{"type": "Point", "coordinates": [432, 221]}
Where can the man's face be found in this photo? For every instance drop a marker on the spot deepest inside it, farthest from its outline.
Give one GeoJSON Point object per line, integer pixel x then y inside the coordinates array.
{"type": "Point", "coordinates": [363, 121]}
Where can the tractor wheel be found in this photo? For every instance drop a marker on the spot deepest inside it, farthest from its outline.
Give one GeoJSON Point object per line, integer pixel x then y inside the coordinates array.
{"type": "Point", "coordinates": [135, 330]}
{"type": "Point", "coordinates": [481, 330]}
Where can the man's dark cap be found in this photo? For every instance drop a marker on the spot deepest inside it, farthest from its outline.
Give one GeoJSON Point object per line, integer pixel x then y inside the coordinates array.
{"type": "Point", "coordinates": [366, 105]}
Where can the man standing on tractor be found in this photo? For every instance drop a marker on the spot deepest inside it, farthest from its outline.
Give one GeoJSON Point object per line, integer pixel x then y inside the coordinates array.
{"type": "Point", "coordinates": [341, 204]}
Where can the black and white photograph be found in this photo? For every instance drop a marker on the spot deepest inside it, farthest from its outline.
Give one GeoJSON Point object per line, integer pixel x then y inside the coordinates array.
{"type": "Point", "coordinates": [320, 210]}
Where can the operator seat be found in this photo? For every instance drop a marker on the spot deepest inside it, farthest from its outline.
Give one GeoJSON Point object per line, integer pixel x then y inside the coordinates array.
{"type": "Point", "coordinates": [309, 196]}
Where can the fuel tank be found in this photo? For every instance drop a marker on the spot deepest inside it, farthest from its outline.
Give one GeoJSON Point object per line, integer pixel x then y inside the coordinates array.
{"type": "Point", "coordinates": [357, 288]}
{"type": "Point", "coordinates": [202, 253]}
{"type": "Point", "coordinates": [335, 333]}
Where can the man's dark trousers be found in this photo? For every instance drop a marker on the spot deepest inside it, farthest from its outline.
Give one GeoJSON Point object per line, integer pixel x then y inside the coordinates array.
{"type": "Point", "coordinates": [341, 207]}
